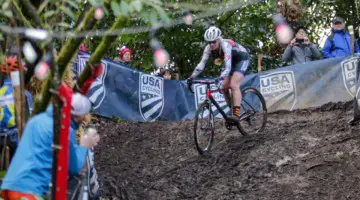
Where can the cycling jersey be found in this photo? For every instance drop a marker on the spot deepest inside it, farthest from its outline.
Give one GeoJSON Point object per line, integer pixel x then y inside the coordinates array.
{"type": "Point", "coordinates": [7, 110]}
{"type": "Point", "coordinates": [8, 130]}
{"type": "Point", "coordinates": [230, 52]}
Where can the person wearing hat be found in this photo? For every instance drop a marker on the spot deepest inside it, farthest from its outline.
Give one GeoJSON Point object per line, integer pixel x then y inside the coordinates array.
{"type": "Point", "coordinates": [82, 47]}
{"type": "Point", "coordinates": [124, 56]}
{"type": "Point", "coordinates": [29, 174]}
{"type": "Point", "coordinates": [301, 50]}
{"type": "Point", "coordinates": [338, 43]}
{"type": "Point", "coordinates": [166, 74]}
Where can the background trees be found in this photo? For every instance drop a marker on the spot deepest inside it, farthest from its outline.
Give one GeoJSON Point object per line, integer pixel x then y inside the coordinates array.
{"type": "Point", "coordinates": [249, 22]}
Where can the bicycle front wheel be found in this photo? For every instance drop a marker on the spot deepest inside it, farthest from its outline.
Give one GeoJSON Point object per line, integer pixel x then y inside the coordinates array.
{"type": "Point", "coordinates": [204, 128]}
{"type": "Point", "coordinates": [253, 116]}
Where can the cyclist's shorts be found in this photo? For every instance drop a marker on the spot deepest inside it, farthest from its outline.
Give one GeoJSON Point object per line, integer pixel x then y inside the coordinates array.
{"type": "Point", "coordinates": [242, 66]}
{"type": "Point", "coordinates": [12, 195]}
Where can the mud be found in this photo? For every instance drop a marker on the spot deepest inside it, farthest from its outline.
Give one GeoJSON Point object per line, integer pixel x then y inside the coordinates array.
{"type": "Point", "coordinates": [304, 154]}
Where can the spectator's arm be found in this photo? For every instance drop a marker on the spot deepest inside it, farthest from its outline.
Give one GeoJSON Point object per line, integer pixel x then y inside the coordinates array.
{"type": "Point", "coordinates": [356, 47]}
{"type": "Point", "coordinates": [287, 54]}
{"type": "Point", "coordinates": [77, 155]}
{"type": "Point", "coordinates": [326, 53]}
{"type": "Point", "coordinates": [315, 52]}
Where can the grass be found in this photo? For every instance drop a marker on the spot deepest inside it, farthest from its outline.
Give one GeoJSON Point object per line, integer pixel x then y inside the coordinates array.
{"type": "Point", "coordinates": [2, 174]}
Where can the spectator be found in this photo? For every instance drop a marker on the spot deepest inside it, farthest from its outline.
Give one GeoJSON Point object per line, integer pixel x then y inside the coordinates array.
{"type": "Point", "coordinates": [338, 43]}
{"type": "Point", "coordinates": [29, 174]}
{"type": "Point", "coordinates": [8, 130]}
{"type": "Point", "coordinates": [301, 50]}
{"type": "Point", "coordinates": [166, 74]}
{"type": "Point", "coordinates": [124, 56]}
{"type": "Point", "coordinates": [82, 47]}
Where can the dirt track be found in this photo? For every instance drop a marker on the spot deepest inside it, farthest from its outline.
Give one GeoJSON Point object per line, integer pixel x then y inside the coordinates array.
{"type": "Point", "coordinates": [304, 154]}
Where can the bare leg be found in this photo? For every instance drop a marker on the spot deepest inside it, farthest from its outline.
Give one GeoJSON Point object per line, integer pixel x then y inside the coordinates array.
{"type": "Point", "coordinates": [225, 90]}
{"type": "Point", "coordinates": [236, 80]}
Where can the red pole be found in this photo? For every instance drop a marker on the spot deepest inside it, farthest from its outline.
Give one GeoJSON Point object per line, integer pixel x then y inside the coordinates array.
{"type": "Point", "coordinates": [65, 94]}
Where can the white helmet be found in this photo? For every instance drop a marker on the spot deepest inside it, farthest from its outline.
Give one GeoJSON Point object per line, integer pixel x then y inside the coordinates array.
{"type": "Point", "coordinates": [211, 34]}
{"type": "Point", "coordinates": [80, 104]}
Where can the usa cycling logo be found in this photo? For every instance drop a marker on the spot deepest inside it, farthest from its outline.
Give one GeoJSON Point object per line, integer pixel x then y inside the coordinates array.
{"type": "Point", "coordinates": [200, 96]}
{"type": "Point", "coordinates": [348, 68]}
{"type": "Point", "coordinates": [97, 91]}
{"type": "Point", "coordinates": [279, 90]}
{"type": "Point", "coordinates": [151, 96]}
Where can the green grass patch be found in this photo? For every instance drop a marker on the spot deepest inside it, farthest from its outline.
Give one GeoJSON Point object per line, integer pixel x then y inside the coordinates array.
{"type": "Point", "coordinates": [2, 174]}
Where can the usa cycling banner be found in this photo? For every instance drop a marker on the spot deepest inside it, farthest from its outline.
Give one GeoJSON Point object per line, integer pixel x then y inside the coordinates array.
{"type": "Point", "coordinates": [309, 85]}
{"type": "Point", "coordinates": [129, 94]}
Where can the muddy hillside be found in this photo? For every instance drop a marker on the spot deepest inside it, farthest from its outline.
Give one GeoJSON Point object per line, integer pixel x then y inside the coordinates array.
{"type": "Point", "coordinates": [304, 154]}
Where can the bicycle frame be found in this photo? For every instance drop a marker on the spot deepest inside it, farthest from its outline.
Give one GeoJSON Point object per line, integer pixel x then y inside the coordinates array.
{"type": "Point", "coordinates": [213, 101]}
{"type": "Point", "coordinates": [210, 98]}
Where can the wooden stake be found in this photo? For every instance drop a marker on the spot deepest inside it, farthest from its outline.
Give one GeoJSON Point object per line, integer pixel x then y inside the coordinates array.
{"type": "Point", "coordinates": [177, 75]}
{"type": "Point", "coordinates": [352, 38]}
{"type": "Point", "coordinates": [7, 156]}
{"type": "Point", "coordinates": [15, 80]}
{"type": "Point", "coordinates": [23, 118]}
{"type": "Point", "coordinates": [259, 63]}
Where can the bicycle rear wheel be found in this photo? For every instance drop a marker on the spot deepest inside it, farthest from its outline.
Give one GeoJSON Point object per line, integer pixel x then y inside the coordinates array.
{"type": "Point", "coordinates": [204, 128]}
{"type": "Point", "coordinates": [253, 112]}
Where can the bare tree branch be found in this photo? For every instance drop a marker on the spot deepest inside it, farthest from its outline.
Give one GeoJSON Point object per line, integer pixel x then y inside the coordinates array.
{"type": "Point", "coordinates": [99, 52]}
{"type": "Point", "coordinates": [66, 54]}
{"type": "Point", "coordinates": [30, 12]}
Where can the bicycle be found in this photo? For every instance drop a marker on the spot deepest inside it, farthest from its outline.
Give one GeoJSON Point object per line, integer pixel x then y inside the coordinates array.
{"type": "Point", "coordinates": [253, 110]}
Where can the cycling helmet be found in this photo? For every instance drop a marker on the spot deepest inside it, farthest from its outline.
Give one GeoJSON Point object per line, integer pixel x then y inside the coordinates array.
{"type": "Point", "coordinates": [80, 104]}
{"type": "Point", "coordinates": [10, 65]}
{"type": "Point", "coordinates": [211, 34]}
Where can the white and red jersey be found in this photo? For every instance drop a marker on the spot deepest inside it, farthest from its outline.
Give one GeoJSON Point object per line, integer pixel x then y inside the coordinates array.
{"type": "Point", "coordinates": [230, 52]}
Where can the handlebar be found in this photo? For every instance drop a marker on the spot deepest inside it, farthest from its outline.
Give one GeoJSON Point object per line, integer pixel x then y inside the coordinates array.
{"type": "Point", "coordinates": [207, 82]}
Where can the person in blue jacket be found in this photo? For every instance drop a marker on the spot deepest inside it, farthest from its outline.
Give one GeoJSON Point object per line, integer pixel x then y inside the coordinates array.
{"type": "Point", "coordinates": [338, 43]}
{"type": "Point", "coordinates": [30, 170]}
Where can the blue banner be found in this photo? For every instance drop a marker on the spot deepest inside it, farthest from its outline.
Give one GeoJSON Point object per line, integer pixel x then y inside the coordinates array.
{"type": "Point", "coordinates": [129, 94]}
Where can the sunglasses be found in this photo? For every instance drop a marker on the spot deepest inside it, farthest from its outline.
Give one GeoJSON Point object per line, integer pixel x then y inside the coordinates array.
{"type": "Point", "coordinates": [337, 23]}
{"type": "Point", "coordinates": [212, 42]}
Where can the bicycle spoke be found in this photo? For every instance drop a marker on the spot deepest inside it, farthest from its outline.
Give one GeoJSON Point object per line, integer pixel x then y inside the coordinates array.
{"type": "Point", "coordinates": [204, 128]}
{"type": "Point", "coordinates": [254, 113]}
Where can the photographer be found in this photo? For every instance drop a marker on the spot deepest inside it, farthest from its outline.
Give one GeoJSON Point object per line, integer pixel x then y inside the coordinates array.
{"type": "Point", "coordinates": [301, 50]}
